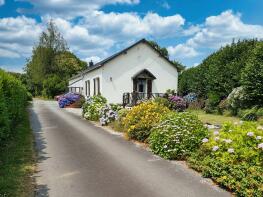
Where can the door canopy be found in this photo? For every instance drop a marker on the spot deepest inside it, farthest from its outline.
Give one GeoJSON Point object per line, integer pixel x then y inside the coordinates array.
{"type": "Point", "coordinates": [144, 74]}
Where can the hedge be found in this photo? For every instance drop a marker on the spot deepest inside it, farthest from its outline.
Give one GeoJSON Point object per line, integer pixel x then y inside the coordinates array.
{"type": "Point", "coordinates": [13, 99]}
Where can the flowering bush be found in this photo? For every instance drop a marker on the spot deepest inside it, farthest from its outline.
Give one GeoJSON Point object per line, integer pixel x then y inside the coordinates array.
{"type": "Point", "coordinates": [233, 157]}
{"type": "Point", "coordinates": [177, 135]}
{"type": "Point", "coordinates": [141, 118]}
{"type": "Point", "coordinates": [107, 115]}
{"type": "Point", "coordinates": [190, 98]}
{"type": "Point", "coordinates": [177, 103]}
{"type": "Point", "coordinates": [92, 107]}
{"type": "Point", "coordinates": [236, 99]}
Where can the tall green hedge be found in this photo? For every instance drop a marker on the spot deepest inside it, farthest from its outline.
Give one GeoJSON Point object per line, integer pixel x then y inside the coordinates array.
{"type": "Point", "coordinates": [13, 99]}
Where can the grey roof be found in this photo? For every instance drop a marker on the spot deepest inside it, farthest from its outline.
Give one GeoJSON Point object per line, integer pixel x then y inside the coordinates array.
{"type": "Point", "coordinates": [124, 51]}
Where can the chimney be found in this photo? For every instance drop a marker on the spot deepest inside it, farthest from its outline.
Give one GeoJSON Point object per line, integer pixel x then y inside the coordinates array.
{"type": "Point", "coordinates": [91, 63]}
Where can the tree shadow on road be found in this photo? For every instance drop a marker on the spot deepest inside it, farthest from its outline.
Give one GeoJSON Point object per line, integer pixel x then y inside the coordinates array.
{"type": "Point", "coordinates": [40, 146]}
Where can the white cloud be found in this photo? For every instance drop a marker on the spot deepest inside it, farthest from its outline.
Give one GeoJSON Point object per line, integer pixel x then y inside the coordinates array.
{"type": "Point", "coordinates": [131, 25]}
{"type": "Point", "coordinates": [17, 35]}
{"type": "Point", "coordinates": [80, 40]}
{"type": "Point", "coordinates": [182, 51]}
{"type": "Point", "coordinates": [2, 2]}
{"type": "Point", "coordinates": [217, 31]}
{"type": "Point", "coordinates": [95, 59]}
{"type": "Point", "coordinates": [70, 8]}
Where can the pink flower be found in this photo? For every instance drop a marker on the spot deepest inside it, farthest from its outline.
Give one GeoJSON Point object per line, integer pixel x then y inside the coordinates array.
{"type": "Point", "coordinates": [204, 140]}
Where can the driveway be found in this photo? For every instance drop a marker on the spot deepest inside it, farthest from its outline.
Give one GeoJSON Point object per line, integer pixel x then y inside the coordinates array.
{"type": "Point", "coordinates": [78, 159]}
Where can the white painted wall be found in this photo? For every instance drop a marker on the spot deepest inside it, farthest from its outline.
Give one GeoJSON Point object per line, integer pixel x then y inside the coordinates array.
{"type": "Point", "coordinates": [116, 75]}
{"type": "Point", "coordinates": [90, 76]}
{"type": "Point", "coordinates": [76, 82]}
{"type": "Point", "coordinates": [124, 67]}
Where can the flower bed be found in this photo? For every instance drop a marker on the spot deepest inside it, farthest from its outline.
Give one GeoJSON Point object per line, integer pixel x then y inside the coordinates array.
{"type": "Point", "coordinates": [233, 157]}
{"type": "Point", "coordinates": [177, 135]}
{"type": "Point", "coordinates": [142, 118]}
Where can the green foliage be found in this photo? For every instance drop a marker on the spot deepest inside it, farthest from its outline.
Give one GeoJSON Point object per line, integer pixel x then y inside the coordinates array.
{"type": "Point", "coordinates": [91, 109]}
{"type": "Point", "coordinates": [142, 118]}
{"type": "Point", "coordinates": [177, 135]}
{"type": "Point", "coordinates": [13, 99]}
{"type": "Point", "coordinates": [252, 77]}
{"type": "Point", "coordinates": [162, 101]}
{"type": "Point", "coordinates": [162, 50]}
{"type": "Point", "coordinates": [221, 72]}
{"type": "Point", "coordinates": [233, 157]}
{"type": "Point", "coordinates": [51, 64]}
{"type": "Point", "coordinates": [18, 160]}
{"type": "Point", "coordinates": [118, 124]}
{"type": "Point", "coordinates": [248, 114]}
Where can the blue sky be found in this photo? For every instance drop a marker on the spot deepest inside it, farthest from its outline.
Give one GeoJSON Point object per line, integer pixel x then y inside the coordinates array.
{"type": "Point", "coordinates": [95, 29]}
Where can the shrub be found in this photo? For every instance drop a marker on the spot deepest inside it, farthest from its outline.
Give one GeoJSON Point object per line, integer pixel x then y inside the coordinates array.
{"type": "Point", "coordinates": [233, 157]}
{"type": "Point", "coordinates": [115, 107]}
{"type": "Point", "coordinates": [162, 101]}
{"type": "Point", "coordinates": [177, 135]}
{"type": "Point", "coordinates": [177, 103]}
{"type": "Point", "coordinates": [107, 115]}
{"type": "Point", "coordinates": [190, 98]}
{"type": "Point", "coordinates": [236, 99]}
{"type": "Point", "coordinates": [199, 104]}
{"type": "Point", "coordinates": [248, 114]}
{"type": "Point", "coordinates": [92, 107]}
{"type": "Point", "coordinates": [118, 124]}
{"type": "Point", "coordinates": [259, 112]}
{"type": "Point", "coordinates": [13, 100]}
{"type": "Point", "coordinates": [140, 119]}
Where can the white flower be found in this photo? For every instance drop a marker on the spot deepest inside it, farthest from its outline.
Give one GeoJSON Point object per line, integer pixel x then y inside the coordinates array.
{"type": "Point", "coordinates": [228, 141]}
{"type": "Point", "coordinates": [230, 130]}
{"type": "Point", "coordinates": [231, 150]}
{"type": "Point", "coordinates": [258, 137]}
{"type": "Point", "coordinates": [260, 128]}
{"type": "Point", "coordinates": [215, 148]}
{"type": "Point", "coordinates": [216, 132]}
{"type": "Point", "coordinates": [260, 146]}
{"type": "Point", "coordinates": [250, 134]}
{"type": "Point", "coordinates": [204, 140]}
{"type": "Point", "coordinates": [165, 146]}
{"type": "Point", "coordinates": [217, 138]}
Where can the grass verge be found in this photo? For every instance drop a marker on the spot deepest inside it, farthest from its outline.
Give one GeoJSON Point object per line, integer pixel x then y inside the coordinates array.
{"type": "Point", "coordinates": [17, 162]}
{"type": "Point", "coordinates": [213, 118]}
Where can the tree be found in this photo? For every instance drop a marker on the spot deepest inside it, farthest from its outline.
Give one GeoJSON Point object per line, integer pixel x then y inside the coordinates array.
{"type": "Point", "coordinates": [50, 58]}
{"type": "Point", "coordinates": [162, 50]}
{"type": "Point", "coordinates": [252, 78]}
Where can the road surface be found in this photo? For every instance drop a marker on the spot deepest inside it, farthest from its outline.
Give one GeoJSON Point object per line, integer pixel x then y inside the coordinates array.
{"type": "Point", "coordinates": [78, 159]}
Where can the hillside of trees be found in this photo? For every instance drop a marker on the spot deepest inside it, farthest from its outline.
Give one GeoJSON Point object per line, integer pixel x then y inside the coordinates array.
{"type": "Point", "coordinates": [239, 64]}
{"type": "Point", "coordinates": [51, 64]}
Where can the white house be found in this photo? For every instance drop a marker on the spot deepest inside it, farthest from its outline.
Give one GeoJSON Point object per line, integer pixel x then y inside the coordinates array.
{"type": "Point", "coordinates": [139, 68]}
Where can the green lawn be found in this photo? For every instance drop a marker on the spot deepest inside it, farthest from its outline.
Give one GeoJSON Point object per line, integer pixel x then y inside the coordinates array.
{"type": "Point", "coordinates": [17, 163]}
{"type": "Point", "coordinates": [213, 118]}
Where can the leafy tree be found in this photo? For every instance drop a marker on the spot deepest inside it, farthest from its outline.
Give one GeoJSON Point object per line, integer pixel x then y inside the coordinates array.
{"type": "Point", "coordinates": [162, 50]}
{"type": "Point", "coordinates": [219, 73]}
{"type": "Point", "coordinates": [51, 62]}
{"type": "Point", "coordinates": [252, 77]}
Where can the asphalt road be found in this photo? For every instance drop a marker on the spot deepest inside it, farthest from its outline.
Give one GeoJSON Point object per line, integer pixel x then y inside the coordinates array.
{"type": "Point", "coordinates": [78, 159]}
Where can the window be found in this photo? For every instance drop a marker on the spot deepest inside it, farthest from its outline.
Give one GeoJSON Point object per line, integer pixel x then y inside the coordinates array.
{"type": "Point", "coordinates": [98, 86]}
{"type": "Point", "coordinates": [94, 86]}
{"type": "Point", "coordinates": [87, 88]}
{"type": "Point", "coordinates": [96, 82]}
